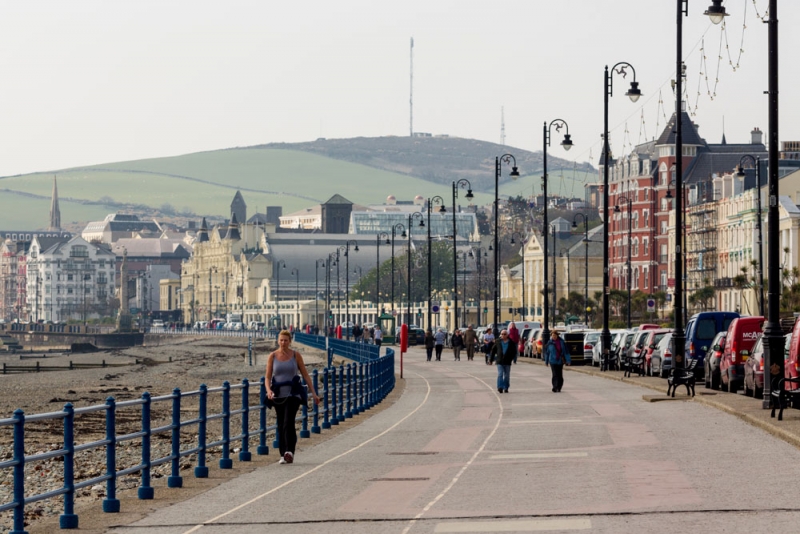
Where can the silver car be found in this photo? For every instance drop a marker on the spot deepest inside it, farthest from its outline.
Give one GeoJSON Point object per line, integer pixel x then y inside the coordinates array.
{"type": "Point", "coordinates": [597, 350]}
{"type": "Point", "coordinates": [590, 339]}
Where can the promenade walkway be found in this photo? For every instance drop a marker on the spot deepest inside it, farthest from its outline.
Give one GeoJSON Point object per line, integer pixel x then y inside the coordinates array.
{"type": "Point", "coordinates": [451, 454]}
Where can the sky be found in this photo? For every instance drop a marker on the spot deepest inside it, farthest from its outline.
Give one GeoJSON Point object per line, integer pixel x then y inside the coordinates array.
{"type": "Point", "coordinates": [91, 82]}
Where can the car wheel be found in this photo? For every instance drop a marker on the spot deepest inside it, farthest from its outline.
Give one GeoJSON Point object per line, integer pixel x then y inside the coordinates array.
{"type": "Point", "coordinates": [733, 388]}
{"type": "Point", "coordinates": [723, 386]}
{"type": "Point", "coordinates": [715, 381]}
{"type": "Point", "coordinates": [758, 393]}
{"type": "Point", "coordinates": [747, 391]}
{"type": "Point", "coordinates": [664, 373]}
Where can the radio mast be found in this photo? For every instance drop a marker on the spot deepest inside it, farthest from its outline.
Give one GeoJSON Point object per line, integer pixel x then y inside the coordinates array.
{"type": "Point", "coordinates": [411, 95]}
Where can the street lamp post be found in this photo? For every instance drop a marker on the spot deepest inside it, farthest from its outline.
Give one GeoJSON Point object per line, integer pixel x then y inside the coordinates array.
{"type": "Point", "coordinates": [463, 183]}
{"type": "Point", "coordinates": [555, 277]}
{"type": "Point", "coordinates": [586, 262]}
{"type": "Point", "coordinates": [328, 298]}
{"type": "Point", "coordinates": [357, 270]}
{"type": "Point", "coordinates": [773, 353]}
{"type": "Point", "coordinates": [479, 259]}
{"type": "Point", "coordinates": [439, 201]}
{"type": "Point", "coordinates": [567, 144]}
{"type": "Point", "coordinates": [508, 159]}
{"type": "Point", "coordinates": [411, 217]}
{"type": "Point", "coordinates": [716, 13]}
{"type": "Point", "coordinates": [623, 198]}
{"type": "Point", "coordinates": [346, 249]}
{"type": "Point", "coordinates": [296, 272]}
{"type": "Point", "coordinates": [760, 275]}
{"type": "Point", "coordinates": [399, 227]}
{"type": "Point", "coordinates": [316, 291]}
{"type": "Point", "coordinates": [277, 269]}
{"type": "Point", "coordinates": [633, 93]}
{"type": "Point", "coordinates": [381, 235]}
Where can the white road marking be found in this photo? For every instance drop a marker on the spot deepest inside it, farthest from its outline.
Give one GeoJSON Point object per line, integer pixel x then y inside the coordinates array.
{"type": "Point", "coordinates": [471, 460]}
{"type": "Point", "coordinates": [543, 421]}
{"type": "Point", "coordinates": [532, 525]}
{"type": "Point", "coordinates": [536, 455]}
{"type": "Point", "coordinates": [320, 466]}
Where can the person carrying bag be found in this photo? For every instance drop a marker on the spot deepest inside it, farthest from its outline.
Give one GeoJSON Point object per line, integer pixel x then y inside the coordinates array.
{"type": "Point", "coordinates": [556, 355]}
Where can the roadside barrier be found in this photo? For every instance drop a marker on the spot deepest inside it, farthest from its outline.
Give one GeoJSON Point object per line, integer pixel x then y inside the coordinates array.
{"type": "Point", "coordinates": [358, 352]}
{"type": "Point", "coordinates": [42, 368]}
{"type": "Point", "coordinates": [345, 391]}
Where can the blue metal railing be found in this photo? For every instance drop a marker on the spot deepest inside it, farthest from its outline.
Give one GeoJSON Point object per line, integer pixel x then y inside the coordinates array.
{"type": "Point", "coordinates": [345, 391]}
{"type": "Point", "coordinates": [358, 352]}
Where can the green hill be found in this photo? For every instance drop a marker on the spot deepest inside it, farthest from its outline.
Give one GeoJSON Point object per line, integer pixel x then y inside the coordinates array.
{"type": "Point", "coordinates": [363, 170]}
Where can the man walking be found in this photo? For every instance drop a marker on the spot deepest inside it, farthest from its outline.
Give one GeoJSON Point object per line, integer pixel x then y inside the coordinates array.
{"type": "Point", "coordinates": [470, 340]}
{"type": "Point", "coordinates": [555, 355]}
{"type": "Point", "coordinates": [378, 335]}
{"type": "Point", "coordinates": [439, 338]}
{"type": "Point", "coordinates": [502, 354]}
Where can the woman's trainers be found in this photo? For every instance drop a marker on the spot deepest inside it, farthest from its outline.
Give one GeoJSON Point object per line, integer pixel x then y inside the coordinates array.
{"type": "Point", "coordinates": [288, 457]}
{"type": "Point", "coordinates": [281, 461]}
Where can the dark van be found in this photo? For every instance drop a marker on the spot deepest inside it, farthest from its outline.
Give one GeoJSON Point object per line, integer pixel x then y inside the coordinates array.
{"type": "Point", "coordinates": [742, 336]}
{"type": "Point", "coordinates": [700, 332]}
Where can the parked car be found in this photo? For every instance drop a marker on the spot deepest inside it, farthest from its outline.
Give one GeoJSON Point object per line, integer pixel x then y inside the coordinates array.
{"type": "Point", "coordinates": [700, 332]}
{"type": "Point", "coordinates": [661, 358]}
{"type": "Point", "coordinates": [590, 340]}
{"type": "Point", "coordinates": [597, 351]}
{"type": "Point", "coordinates": [530, 343]}
{"type": "Point", "coordinates": [743, 333]}
{"type": "Point", "coordinates": [791, 364]}
{"type": "Point", "coordinates": [754, 371]}
{"type": "Point", "coordinates": [157, 323]}
{"type": "Point", "coordinates": [651, 342]}
{"type": "Point", "coordinates": [712, 360]}
{"type": "Point", "coordinates": [523, 338]}
{"type": "Point", "coordinates": [635, 347]}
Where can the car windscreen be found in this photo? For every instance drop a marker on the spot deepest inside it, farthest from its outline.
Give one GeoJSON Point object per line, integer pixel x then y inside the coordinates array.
{"type": "Point", "coordinates": [727, 322]}
{"type": "Point", "coordinates": [592, 337]}
{"type": "Point", "coordinates": [706, 329]}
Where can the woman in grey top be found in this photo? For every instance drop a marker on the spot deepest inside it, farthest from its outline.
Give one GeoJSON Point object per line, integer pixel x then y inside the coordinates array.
{"type": "Point", "coordinates": [283, 365]}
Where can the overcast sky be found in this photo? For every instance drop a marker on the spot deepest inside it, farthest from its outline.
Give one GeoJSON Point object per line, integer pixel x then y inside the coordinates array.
{"type": "Point", "coordinates": [88, 82]}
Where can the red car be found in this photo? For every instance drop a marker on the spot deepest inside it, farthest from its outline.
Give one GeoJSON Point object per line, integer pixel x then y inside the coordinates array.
{"type": "Point", "coordinates": [743, 333]}
{"type": "Point", "coordinates": [651, 342]}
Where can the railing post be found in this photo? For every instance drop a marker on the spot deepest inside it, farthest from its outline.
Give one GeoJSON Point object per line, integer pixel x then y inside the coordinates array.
{"type": "Point", "coordinates": [315, 429]}
{"type": "Point", "coordinates": [244, 454]}
{"type": "Point", "coordinates": [69, 519]}
{"type": "Point", "coordinates": [304, 433]}
{"type": "Point", "coordinates": [342, 416]}
{"type": "Point", "coordinates": [176, 480]}
{"type": "Point", "coordinates": [326, 387]}
{"type": "Point", "coordinates": [201, 470]}
{"type": "Point", "coordinates": [334, 385]}
{"type": "Point", "coordinates": [225, 462]}
{"type": "Point", "coordinates": [19, 472]}
{"type": "Point", "coordinates": [111, 503]}
{"type": "Point", "coordinates": [370, 384]}
{"type": "Point", "coordinates": [359, 405]}
{"type": "Point", "coordinates": [145, 489]}
{"type": "Point", "coordinates": [349, 404]}
{"type": "Point", "coordinates": [262, 449]}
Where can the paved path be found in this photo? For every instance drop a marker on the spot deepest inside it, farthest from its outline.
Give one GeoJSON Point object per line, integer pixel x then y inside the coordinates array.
{"type": "Point", "coordinates": [454, 455]}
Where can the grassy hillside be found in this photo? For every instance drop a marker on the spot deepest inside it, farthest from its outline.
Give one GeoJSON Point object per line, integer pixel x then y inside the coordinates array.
{"type": "Point", "coordinates": [292, 176]}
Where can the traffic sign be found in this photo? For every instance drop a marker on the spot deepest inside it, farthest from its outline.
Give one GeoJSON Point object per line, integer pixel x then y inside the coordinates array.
{"type": "Point", "coordinates": [435, 308]}
{"type": "Point", "coordinates": [651, 305]}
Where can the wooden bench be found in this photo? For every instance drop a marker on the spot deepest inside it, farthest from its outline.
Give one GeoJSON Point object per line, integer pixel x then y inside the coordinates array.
{"type": "Point", "coordinates": [683, 377]}
{"type": "Point", "coordinates": [781, 396]}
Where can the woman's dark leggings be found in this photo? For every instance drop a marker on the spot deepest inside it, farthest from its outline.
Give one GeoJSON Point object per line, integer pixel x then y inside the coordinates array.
{"type": "Point", "coordinates": [286, 411]}
{"type": "Point", "coordinates": [439, 352]}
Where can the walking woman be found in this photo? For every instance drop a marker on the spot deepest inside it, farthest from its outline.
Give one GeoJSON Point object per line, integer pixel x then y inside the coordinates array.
{"type": "Point", "coordinates": [429, 342]}
{"type": "Point", "coordinates": [439, 338]}
{"type": "Point", "coordinates": [488, 343]}
{"type": "Point", "coordinates": [555, 355]}
{"type": "Point", "coordinates": [458, 344]}
{"type": "Point", "coordinates": [283, 366]}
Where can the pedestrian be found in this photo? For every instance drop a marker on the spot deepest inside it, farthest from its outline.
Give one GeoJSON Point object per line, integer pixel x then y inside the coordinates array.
{"type": "Point", "coordinates": [556, 355]}
{"type": "Point", "coordinates": [513, 333]}
{"type": "Point", "coordinates": [503, 353]}
{"type": "Point", "coordinates": [356, 333]}
{"type": "Point", "coordinates": [284, 390]}
{"type": "Point", "coordinates": [458, 344]}
{"type": "Point", "coordinates": [488, 343]}
{"type": "Point", "coordinates": [429, 343]}
{"type": "Point", "coordinates": [439, 340]}
{"type": "Point", "coordinates": [470, 340]}
{"type": "Point", "coordinates": [366, 335]}
{"type": "Point", "coordinates": [378, 335]}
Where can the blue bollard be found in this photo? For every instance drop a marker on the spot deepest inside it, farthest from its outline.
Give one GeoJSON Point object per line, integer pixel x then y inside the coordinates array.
{"type": "Point", "coordinates": [359, 405]}
{"type": "Point", "coordinates": [304, 432]}
{"type": "Point", "coordinates": [244, 454]}
{"type": "Point", "coordinates": [19, 473]}
{"type": "Point", "coordinates": [175, 480]}
{"type": "Point", "coordinates": [225, 462]}
{"type": "Point", "coordinates": [349, 403]}
{"type": "Point", "coordinates": [326, 424]}
{"type": "Point", "coordinates": [342, 416]}
{"type": "Point", "coordinates": [145, 489]}
{"type": "Point", "coordinates": [201, 470]}
{"type": "Point", "coordinates": [334, 405]}
{"type": "Point", "coordinates": [111, 503]}
{"type": "Point", "coordinates": [315, 429]}
{"type": "Point", "coordinates": [262, 449]}
{"type": "Point", "coordinates": [69, 519]}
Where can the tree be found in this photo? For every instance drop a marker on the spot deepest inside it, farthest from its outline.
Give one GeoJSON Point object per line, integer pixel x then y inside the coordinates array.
{"type": "Point", "coordinates": [703, 297]}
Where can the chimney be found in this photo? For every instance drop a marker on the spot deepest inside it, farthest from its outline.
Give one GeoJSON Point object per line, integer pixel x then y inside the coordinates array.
{"type": "Point", "coordinates": [756, 137]}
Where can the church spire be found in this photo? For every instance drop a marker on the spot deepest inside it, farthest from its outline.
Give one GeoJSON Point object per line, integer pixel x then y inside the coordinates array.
{"type": "Point", "coordinates": [55, 212]}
